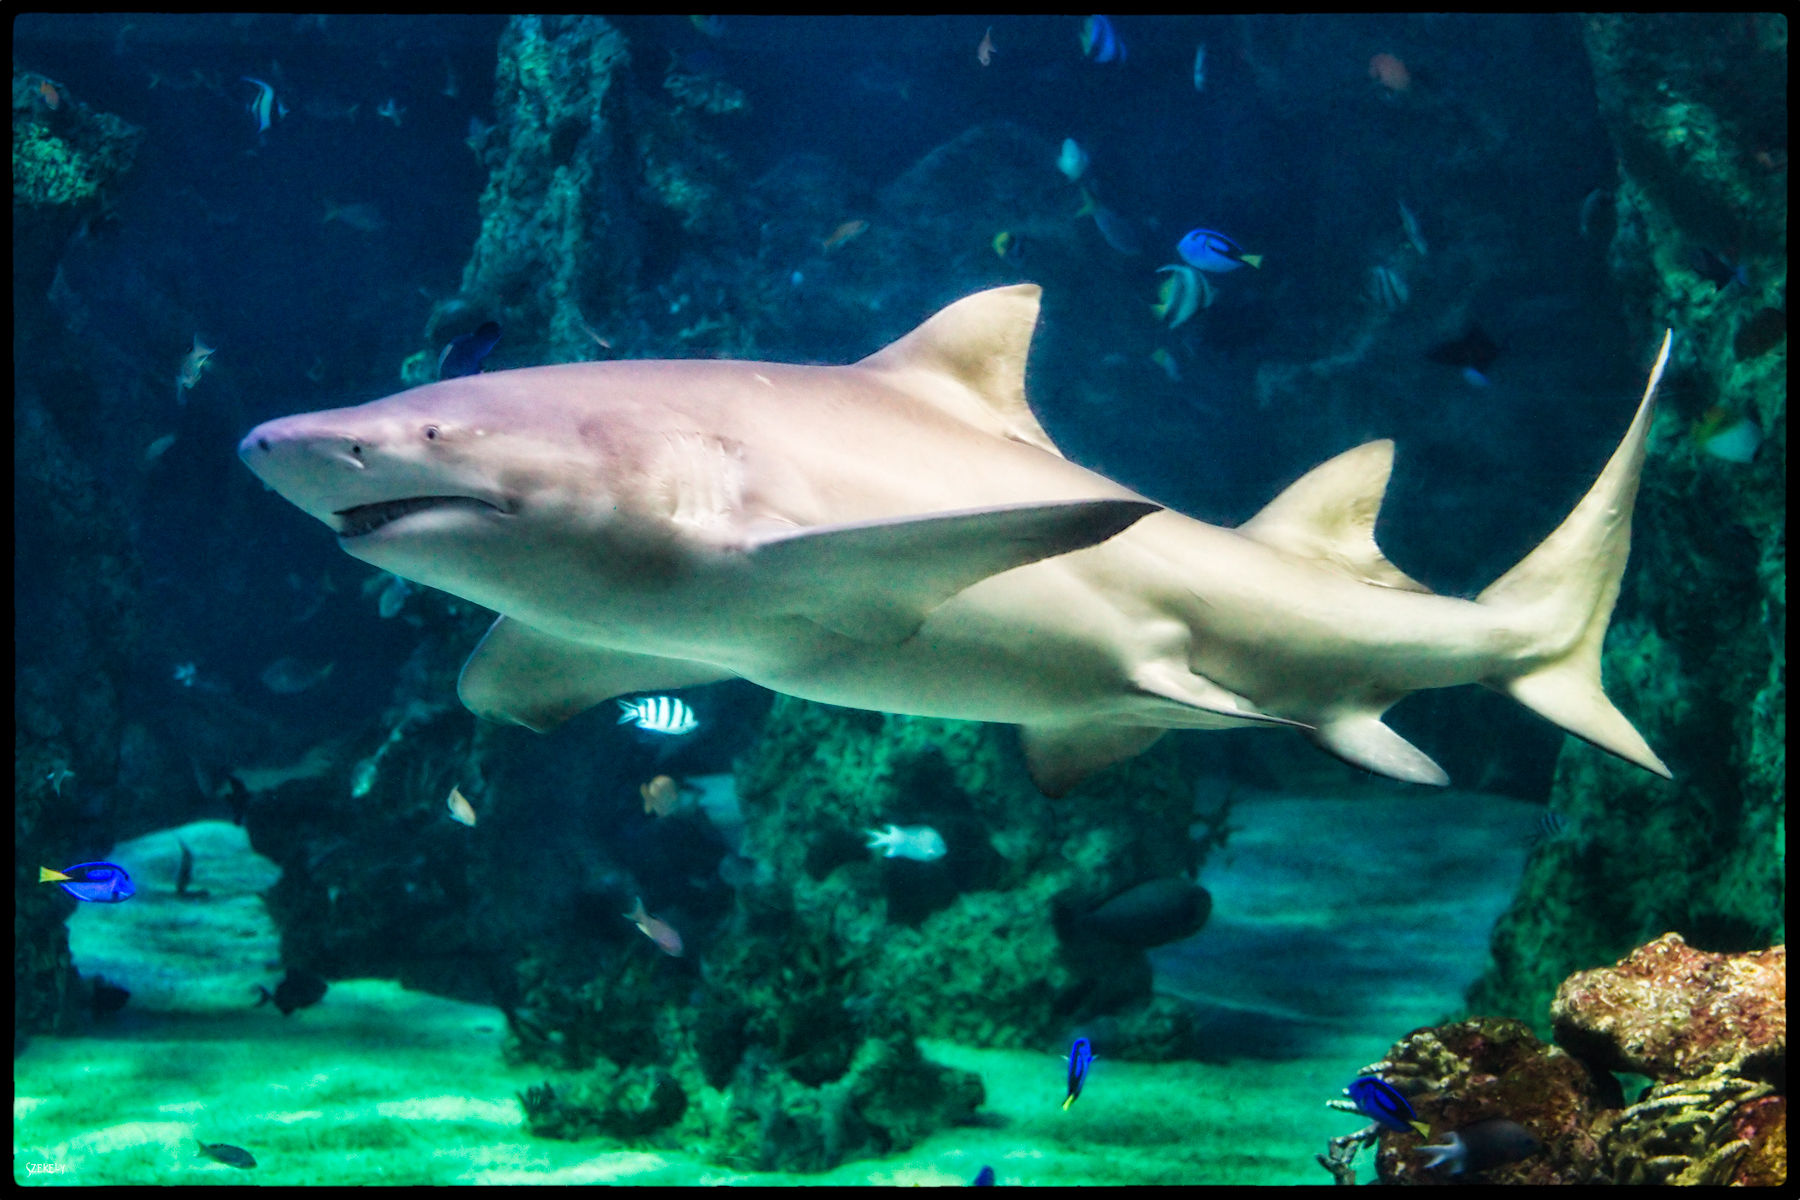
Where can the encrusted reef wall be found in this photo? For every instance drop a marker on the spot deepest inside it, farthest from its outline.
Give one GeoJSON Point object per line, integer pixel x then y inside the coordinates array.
{"type": "Point", "coordinates": [1697, 107]}
{"type": "Point", "coordinates": [77, 575]}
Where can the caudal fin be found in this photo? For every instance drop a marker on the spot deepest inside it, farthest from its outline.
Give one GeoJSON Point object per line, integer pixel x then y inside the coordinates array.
{"type": "Point", "coordinates": [1565, 590]}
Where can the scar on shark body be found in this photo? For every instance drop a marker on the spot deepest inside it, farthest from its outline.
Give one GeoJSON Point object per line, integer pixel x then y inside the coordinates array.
{"type": "Point", "coordinates": [900, 534]}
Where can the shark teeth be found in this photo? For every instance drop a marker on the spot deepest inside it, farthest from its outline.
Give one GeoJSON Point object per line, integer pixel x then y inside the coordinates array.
{"type": "Point", "coordinates": [366, 518]}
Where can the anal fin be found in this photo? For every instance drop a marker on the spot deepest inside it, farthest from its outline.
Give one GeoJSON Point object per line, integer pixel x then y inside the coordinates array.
{"type": "Point", "coordinates": [519, 676]}
{"type": "Point", "coordinates": [1360, 739]}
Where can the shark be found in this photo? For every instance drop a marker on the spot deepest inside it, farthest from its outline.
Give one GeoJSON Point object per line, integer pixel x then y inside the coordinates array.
{"type": "Point", "coordinates": [899, 534]}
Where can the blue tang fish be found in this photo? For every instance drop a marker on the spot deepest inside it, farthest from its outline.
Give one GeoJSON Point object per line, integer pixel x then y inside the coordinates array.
{"type": "Point", "coordinates": [464, 355]}
{"type": "Point", "coordinates": [95, 882]}
{"type": "Point", "coordinates": [1099, 41]}
{"type": "Point", "coordinates": [983, 1178]}
{"type": "Point", "coordinates": [1210, 250]}
{"type": "Point", "coordinates": [1377, 1100]}
{"type": "Point", "coordinates": [1081, 1057]}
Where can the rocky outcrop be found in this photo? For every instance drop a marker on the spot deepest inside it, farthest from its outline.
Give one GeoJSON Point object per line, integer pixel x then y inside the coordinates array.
{"type": "Point", "coordinates": [1697, 650]}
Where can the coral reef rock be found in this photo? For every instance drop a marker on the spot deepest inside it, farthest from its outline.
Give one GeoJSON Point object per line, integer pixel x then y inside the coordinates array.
{"type": "Point", "coordinates": [1672, 1012]}
{"type": "Point", "coordinates": [204, 951]}
{"type": "Point", "coordinates": [1487, 1067]}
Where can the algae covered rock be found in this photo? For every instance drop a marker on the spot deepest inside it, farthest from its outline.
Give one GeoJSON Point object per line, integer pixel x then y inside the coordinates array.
{"type": "Point", "coordinates": [1672, 1012]}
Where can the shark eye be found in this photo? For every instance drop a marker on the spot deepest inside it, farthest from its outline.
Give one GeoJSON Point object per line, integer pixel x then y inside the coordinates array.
{"type": "Point", "coordinates": [431, 432]}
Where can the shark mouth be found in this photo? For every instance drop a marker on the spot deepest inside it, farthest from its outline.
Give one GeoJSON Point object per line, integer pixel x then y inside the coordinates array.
{"type": "Point", "coordinates": [367, 518]}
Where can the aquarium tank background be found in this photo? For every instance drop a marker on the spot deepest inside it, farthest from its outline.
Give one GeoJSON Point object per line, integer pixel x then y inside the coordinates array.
{"type": "Point", "coordinates": [288, 912]}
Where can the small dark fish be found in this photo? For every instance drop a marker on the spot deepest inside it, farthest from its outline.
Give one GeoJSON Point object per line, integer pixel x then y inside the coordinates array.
{"type": "Point", "coordinates": [297, 989]}
{"type": "Point", "coordinates": [290, 676]}
{"type": "Point", "coordinates": [1718, 270]}
{"type": "Point", "coordinates": [1473, 351]}
{"type": "Point", "coordinates": [1152, 914]}
{"type": "Point", "coordinates": [184, 874]}
{"type": "Point", "coordinates": [231, 1156]}
{"type": "Point", "coordinates": [1550, 827]}
{"type": "Point", "coordinates": [464, 355]}
{"type": "Point", "coordinates": [983, 1178]}
{"type": "Point", "coordinates": [107, 998]}
{"type": "Point", "coordinates": [238, 797]}
{"type": "Point", "coordinates": [1377, 1100]}
{"type": "Point", "coordinates": [94, 882]}
{"type": "Point", "coordinates": [1484, 1144]}
{"type": "Point", "coordinates": [1081, 1057]}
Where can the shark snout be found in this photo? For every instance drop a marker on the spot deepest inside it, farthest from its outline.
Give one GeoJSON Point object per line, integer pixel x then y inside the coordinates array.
{"type": "Point", "coordinates": [319, 469]}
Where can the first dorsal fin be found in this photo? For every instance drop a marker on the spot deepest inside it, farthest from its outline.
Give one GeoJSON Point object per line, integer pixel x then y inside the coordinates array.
{"type": "Point", "coordinates": [968, 360]}
{"type": "Point", "coordinates": [1328, 516]}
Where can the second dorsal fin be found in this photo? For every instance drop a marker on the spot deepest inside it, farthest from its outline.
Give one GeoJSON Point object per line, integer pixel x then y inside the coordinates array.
{"type": "Point", "coordinates": [1328, 516]}
{"type": "Point", "coordinates": [968, 360]}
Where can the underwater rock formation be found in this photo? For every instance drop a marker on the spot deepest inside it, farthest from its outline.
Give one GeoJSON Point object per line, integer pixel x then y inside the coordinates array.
{"type": "Point", "coordinates": [202, 948]}
{"type": "Point", "coordinates": [78, 575]}
{"type": "Point", "coordinates": [1709, 1029]}
{"type": "Point", "coordinates": [1697, 648]}
{"type": "Point", "coordinates": [1672, 1012]}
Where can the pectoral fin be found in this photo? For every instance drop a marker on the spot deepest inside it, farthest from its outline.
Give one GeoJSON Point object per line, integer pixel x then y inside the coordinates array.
{"type": "Point", "coordinates": [1061, 756]}
{"type": "Point", "coordinates": [519, 676]}
{"type": "Point", "coordinates": [877, 581]}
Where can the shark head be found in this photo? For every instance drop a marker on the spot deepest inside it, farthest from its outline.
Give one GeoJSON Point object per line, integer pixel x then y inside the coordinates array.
{"type": "Point", "coordinates": [452, 484]}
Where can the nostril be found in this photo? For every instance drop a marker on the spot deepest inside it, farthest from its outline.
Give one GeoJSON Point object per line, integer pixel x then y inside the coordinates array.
{"type": "Point", "coordinates": [262, 444]}
{"type": "Point", "coordinates": [356, 450]}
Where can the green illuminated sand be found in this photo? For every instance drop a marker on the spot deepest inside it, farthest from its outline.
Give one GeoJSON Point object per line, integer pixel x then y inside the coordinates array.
{"type": "Point", "coordinates": [1339, 925]}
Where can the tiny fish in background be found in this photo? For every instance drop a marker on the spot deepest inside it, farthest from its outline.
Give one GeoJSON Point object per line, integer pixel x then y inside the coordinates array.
{"type": "Point", "coordinates": [657, 930]}
{"type": "Point", "coordinates": [460, 808]}
{"type": "Point", "coordinates": [393, 597]}
{"type": "Point", "coordinates": [391, 111]}
{"type": "Point", "coordinates": [848, 231]}
{"type": "Point", "coordinates": [1376, 1099]}
{"type": "Point", "coordinates": [290, 676]}
{"type": "Point", "coordinates": [46, 92]}
{"type": "Point", "coordinates": [659, 714]}
{"type": "Point", "coordinates": [1410, 224]}
{"type": "Point", "coordinates": [92, 882]}
{"type": "Point", "coordinates": [1473, 353]}
{"type": "Point", "coordinates": [1549, 827]}
{"type": "Point", "coordinates": [264, 108]}
{"type": "Point", "coordinates": [1390, 73]}
{"type": "Point", "coordinates": [1162, 358]}
{"type": "Point", "coordinates": [1388, 290]}
{"type": "Point", "coordinates": [1590, 211]}
{"type": "Point", "coordinates": [1183, 293]}
{"type": "Point", "coordinates": [297, 989]}
{"type": "Point", "coordinates": [156, 449]}
{"type": "Point", "coordinates": [1117, 231]}
{"type": "Point", "coordinates": [184, 875]}
{"type": "Point", "coordinates": [661, 795]}
{"type": "Point", "coordinates": [1718, 270]}
{"type": "Point", "coordinates": [1100, 42]}
{"type": "Point", "coordinates": [185, 674]}
{"type": "Point", "coordinates": [1484, 1144]}
{"type": "Point", "coordinates": [1200, 68]}
{"type": "Point", "coordinates": [1081, 1057]}
{"type": "Point", "coordinates": [192, 366]}
{"type": "Point", "coordinates": [1008, 246]}
{"type": "Point", "coordinates": [984, 53]}
{"type": "Point", "coordinates": [1073, 161]}
{"type": "Point", "coordinates": [231, 1156]}
{"type": "Point", "coordinates": [1724, 435]}
{"type": "Point", "coordinates": [464, 355]}
{"type": "Point", "coordinates": [921, 843]}
{"type": "Point", "coordinates": [362, 217]}
{"type": "Point", "coordinates": [56, 779]}
{"type": "Point", "coordinates": [1210, 250]}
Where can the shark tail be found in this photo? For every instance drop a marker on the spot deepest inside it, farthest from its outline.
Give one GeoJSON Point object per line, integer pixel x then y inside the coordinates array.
{"type": "Point", "coordinates": [1565, 590]}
